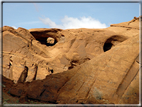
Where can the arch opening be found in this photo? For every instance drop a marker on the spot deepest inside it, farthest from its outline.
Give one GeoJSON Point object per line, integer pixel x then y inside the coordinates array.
{"type": "Point", "coordinates": [43, 38]}
{"type": "Point", "coordinates": [48, 41]}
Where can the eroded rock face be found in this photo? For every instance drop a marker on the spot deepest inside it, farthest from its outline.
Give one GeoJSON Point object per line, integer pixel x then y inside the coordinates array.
{"type": "Point", "coordinates": [91, 66]}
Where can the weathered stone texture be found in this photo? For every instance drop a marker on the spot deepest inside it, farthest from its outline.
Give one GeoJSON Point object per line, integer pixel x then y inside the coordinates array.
{"type": "Point", "coordinates": [90, 66]}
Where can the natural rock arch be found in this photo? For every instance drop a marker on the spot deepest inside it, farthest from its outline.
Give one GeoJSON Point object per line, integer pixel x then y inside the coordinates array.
{"type": "Point", "coordinates": [42, 35]}
{"type": "Point", "coordinates": [45, 40]}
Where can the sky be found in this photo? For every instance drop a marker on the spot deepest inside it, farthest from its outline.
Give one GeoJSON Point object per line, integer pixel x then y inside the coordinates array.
{"type": "Point", "coordinates": [68, 15]}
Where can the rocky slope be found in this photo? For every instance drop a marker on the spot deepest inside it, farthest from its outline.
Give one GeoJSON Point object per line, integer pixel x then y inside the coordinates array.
{"type": "Point", "coordinates": [73, 66]}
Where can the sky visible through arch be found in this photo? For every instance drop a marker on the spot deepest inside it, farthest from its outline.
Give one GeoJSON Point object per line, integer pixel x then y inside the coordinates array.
{"type": "Point", "coordinates": [67, 15]}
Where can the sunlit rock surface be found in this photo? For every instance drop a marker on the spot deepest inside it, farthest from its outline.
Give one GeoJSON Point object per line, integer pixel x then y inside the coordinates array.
{"type": "Point", "coordinates": [74, 66]}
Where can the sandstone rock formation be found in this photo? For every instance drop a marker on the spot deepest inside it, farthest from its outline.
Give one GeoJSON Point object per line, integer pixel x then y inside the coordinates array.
{"type": "Point", "coordinates": [91, 66]}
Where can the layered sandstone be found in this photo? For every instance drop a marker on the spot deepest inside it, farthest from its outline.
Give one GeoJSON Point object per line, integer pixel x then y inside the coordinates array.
{"type": "Point", "coordinates": [89, 66]}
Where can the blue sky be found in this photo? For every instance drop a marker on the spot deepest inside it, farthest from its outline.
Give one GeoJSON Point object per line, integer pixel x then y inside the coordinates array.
{"type": "Point", "coordinates": [67, 15]}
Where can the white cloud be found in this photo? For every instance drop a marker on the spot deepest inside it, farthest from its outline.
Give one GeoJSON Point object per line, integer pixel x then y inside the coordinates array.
{"type": "Point", "coordinates": [70, 23]}
{"type": "Point", "coordinates": [14, 27]}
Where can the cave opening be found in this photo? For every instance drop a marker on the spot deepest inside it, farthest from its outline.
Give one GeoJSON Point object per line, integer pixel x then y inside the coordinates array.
{"type": "Point", "coordinates": [107, 46]}
{"type": "Point", "coordinates": [113, 41]}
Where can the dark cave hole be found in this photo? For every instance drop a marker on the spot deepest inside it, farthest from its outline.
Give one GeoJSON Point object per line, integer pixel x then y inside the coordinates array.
{"type": "Point", "coordinates": [51, 71]}
{"type": "Point", "coordinates": [107, 46]}
{"type": "Point", "coordinates": [113, 41]}
{"type": "Point", "coordinates": [44, 41]}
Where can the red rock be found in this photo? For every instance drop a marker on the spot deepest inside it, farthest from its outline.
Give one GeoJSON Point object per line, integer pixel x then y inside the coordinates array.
{"type": "Point", "coordinates": [90, 66]}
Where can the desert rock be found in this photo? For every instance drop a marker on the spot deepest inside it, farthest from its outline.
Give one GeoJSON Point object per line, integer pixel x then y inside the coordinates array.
{"type": "Point", "coordinates": [91, 66]}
